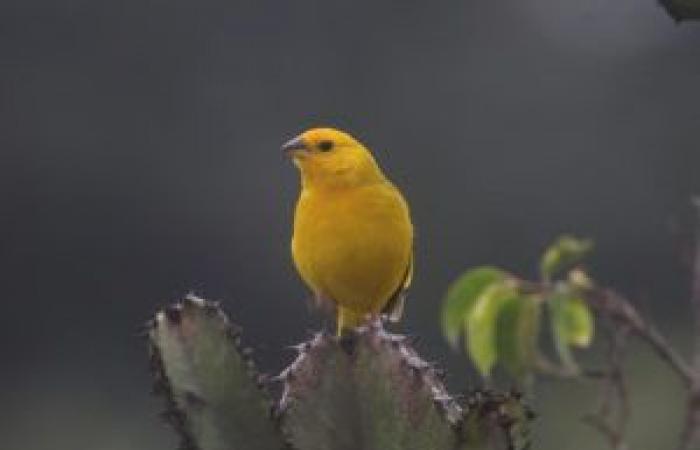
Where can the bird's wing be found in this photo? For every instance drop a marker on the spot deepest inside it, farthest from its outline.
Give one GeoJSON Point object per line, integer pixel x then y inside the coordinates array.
{"type": "Point", "coordinates": [393, 310]}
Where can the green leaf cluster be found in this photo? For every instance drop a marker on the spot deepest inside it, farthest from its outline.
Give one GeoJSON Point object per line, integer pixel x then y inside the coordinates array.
{"type": "Point", "coordinates": [501, 318]}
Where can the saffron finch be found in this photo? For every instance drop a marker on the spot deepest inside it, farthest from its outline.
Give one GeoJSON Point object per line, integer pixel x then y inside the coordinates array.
{"type": "Point", "coordinates": [353, 238]}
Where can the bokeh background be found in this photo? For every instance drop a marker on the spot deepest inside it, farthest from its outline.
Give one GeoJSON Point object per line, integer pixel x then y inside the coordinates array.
{"type": "Point", "coordinates": [139, 146]}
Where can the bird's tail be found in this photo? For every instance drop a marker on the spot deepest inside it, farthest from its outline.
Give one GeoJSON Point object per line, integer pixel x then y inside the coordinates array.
{"type": "Point", "coordinates": [349, 319]}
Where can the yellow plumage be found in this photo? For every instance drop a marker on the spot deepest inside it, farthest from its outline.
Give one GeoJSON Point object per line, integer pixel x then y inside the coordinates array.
{"type": "Point", "coordinates": [353, 237]}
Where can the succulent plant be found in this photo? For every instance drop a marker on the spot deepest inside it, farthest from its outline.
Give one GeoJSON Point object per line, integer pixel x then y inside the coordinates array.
{"type": "Point", "coordinates": [365, 391]}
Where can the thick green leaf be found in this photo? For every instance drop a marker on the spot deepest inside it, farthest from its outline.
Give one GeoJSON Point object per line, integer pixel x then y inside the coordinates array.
{"type": "Point", "coordinates": [209, 383]}
{"type": "Point", "coordinates": [370, 392]}
{"type": "Point", "coordinates": [565, 252]}
{"type": "Point", "coordinates": [461, 297]}
{"type": "Point", "coordinates": [518, 333]}
{"type": "Point", "coordinates": [482, 325]}
{"type": "Point", "coordinates": [572, 324]}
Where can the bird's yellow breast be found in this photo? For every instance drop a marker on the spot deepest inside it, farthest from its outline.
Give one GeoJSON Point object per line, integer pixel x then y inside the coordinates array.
{"type": "Point", "coordinates": [353, 245]}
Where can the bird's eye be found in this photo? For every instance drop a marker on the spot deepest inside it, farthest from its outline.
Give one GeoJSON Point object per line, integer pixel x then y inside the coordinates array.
{"type": "Point", "coordinates": [325, 146]}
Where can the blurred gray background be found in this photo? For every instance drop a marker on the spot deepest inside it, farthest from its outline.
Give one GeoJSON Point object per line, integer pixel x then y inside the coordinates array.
{"type": "Point", "coordinates": [139, 146]}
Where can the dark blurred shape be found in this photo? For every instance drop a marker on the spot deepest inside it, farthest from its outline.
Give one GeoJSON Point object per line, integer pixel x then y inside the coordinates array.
{"type": "Point", "coordinates": [681, 10]}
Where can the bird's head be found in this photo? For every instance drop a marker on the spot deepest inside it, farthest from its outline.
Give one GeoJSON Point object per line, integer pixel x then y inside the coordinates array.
{"type": "Point", "coordinates": [330, 158]}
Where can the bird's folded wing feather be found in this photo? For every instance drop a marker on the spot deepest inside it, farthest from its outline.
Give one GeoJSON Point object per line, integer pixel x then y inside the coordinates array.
{"type": "Point", "coordinates": [395, 306]}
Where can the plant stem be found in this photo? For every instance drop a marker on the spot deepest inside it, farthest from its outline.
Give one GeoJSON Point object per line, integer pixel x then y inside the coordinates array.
{"type": "Point", "coordinates": [690, 437]}
{"type": "Point", "coordinates": [619, 308]}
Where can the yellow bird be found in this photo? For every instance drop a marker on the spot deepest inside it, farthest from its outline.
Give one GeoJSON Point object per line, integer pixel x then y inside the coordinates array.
{"type": "Point", "coordinates": [353, 237]}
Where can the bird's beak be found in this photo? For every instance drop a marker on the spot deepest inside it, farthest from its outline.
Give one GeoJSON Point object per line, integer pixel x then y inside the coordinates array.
{"type": "Point", "coordinates": [294, 147]}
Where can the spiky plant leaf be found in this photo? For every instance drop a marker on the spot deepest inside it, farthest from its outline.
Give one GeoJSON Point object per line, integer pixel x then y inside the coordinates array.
{"type": "Point", "coordinates": [211, 390]}
{"type": "Point", "coordinates": [495, 421]}
{"type": "Point", "coordinates": [372, 392]}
